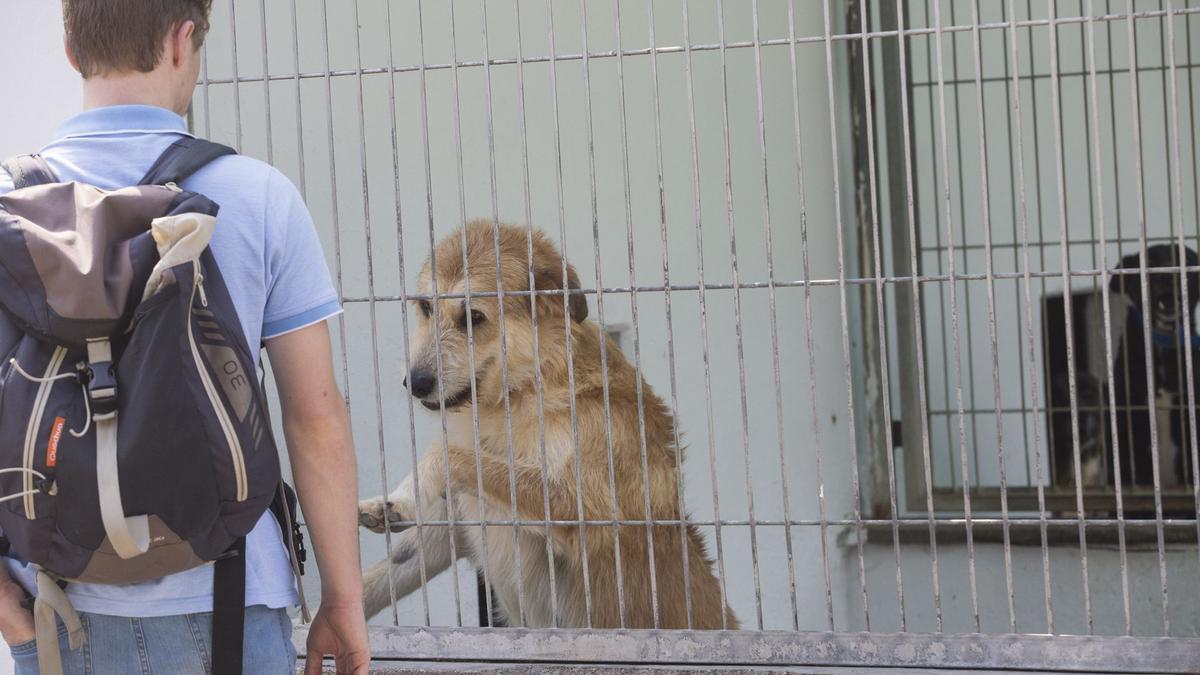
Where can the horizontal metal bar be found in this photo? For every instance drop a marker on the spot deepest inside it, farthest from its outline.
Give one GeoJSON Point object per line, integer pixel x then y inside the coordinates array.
{"type": "Point", "coordinates": [1015, 520]}
{"type": "Point", "coordinates": [1065, 75]}
{"type": "Point", "coordinates": [679, 49]}
{"type": "Point", "coordinates": [1078, 241]}
{"type": "Point", "coordinates": [1028, 533]}
{"type": "Point", "coordinates": [781, 649]}
{"type": "Point", "coordinates": [1121, 409]}
{"type": "Point", "coordinates": [795, 283]}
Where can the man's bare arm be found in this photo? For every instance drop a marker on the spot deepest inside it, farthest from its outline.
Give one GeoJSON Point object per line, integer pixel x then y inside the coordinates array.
{"type": "Point", "coordinates": [317, 428]}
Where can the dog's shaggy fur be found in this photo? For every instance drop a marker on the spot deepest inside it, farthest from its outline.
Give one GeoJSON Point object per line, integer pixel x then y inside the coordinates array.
{"type": "Point", "coordinates": [577, 470]}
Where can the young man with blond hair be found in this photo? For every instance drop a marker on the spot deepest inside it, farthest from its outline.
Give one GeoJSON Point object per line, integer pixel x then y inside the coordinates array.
{"type": "Point", "coordinates": [140, 60]}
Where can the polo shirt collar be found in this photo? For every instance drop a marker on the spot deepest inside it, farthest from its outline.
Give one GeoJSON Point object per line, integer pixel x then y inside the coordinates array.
{"type": "Point", "coordinates": [123, 119]}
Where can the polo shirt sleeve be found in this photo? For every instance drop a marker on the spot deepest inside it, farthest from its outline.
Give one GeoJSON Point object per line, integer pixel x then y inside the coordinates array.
{"type": "Point", "coordinates": [299, 290]}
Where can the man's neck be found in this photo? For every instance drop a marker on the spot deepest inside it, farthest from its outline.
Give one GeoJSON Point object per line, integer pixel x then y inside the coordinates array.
{"type": "Point", "coordinates": [128, 89]}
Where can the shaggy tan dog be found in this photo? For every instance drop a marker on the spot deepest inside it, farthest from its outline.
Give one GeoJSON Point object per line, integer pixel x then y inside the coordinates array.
{"type": "Point", "coordinates": [573, 475]}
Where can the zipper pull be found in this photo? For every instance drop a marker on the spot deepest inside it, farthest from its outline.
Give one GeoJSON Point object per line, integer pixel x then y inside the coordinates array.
{"type": "Point", "coordinates": [200, 289]}
{"type": "Point", "coordinates": [172, 187]}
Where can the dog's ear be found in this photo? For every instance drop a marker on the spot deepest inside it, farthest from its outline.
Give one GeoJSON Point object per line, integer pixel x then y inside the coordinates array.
{"type": "Point", "coordinates": [550, 278]}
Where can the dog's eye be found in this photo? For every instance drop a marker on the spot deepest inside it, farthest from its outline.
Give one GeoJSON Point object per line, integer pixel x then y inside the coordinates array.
{"type": "Point", "coordinates": [425, 307]}
{"type": "Point", "coordinates": [477, 317]}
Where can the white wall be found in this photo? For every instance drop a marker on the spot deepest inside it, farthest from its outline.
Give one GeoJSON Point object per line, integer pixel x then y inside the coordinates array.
{"type": "Point", "coordinates": [41, 87]}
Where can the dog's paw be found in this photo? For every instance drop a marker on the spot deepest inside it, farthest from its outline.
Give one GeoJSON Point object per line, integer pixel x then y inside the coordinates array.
{"type": "Point", "coordinates": [378, 513]}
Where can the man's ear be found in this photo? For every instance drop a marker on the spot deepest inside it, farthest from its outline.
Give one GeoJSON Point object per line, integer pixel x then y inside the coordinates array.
{"type": "Point", "coordinates": [180, 42]}
{"type": "Point", "coordinates": [548, 278]}
{"type": "Point", "coordinates": [70, 54]}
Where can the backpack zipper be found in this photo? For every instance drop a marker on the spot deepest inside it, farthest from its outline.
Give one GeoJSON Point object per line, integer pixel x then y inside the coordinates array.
{"type": "Point", "coordinates": [35, 423]}
{"type": "Point", "coordinates": [235, 447]}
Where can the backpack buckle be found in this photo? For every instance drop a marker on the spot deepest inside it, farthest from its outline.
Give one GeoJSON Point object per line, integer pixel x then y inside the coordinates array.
{"type": "Point", "coordinates": [102, 378]}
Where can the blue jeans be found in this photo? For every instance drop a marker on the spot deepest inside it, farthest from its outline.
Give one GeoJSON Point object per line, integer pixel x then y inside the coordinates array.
{"type": "Point", "coordinates": [170, 644]}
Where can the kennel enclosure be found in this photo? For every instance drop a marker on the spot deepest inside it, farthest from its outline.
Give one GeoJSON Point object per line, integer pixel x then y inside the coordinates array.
{"type": "Point", "coordinates": [856, 245]}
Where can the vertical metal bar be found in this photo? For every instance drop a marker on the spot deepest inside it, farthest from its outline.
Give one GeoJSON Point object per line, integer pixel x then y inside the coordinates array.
{"type": "Point", "coordinates": [633, 302]}
{"type": "Point", "coordinates": [337, 227]}
{"type": "Point", "coordinates": [1104, 302]}
{"type": "Point", "coordinates": [1172, 188]}
{"type": "Point", "coordinates": [371, 309]}
{"type": "Point", "coordinates": [991, 308]}
{"type": "Point", "coordinates": [962, 433]}
{"type": "Point", "coordinates": [841, 262]}
{"type": "Point", "coordinates": [962, 208]}
{"type": "Point", "coordinates": [1117, 195]}
{"type": "Point", "coordinates": [512, 476]}
{"type": "Point", "coordinates": [1064, 252]}
{"type": "Point", "coordinates": [1012, 174]}
{"type": "Point", "coordinates": [1089, 133]}
{"type": "Point", "coordinates": [437, 316]}
{"type": "Point", "coordinates": [499, 304]}
{"type": "Point", "coordinates": [939, 248]}
{"type": "Point", "coordinates": [1195, 155]}
{"type": "Point", "coordinates": [562, 233]}
{"type": "Point", "coordinates": [699, 230]}
{"type": "Point", "coordinates": [762, 145]}
{"type": "Point", "coordinates": [206, 86]}
{"type": "Point", "coordinates": [612, 480]}
{"type": "Point", "coordinates": [375, 368]}
{"type": "Point", "coordinates": [299, 106]}
{"type": "Point", "coordinates": [1019, 150]}
{"type": "Point", "coordinates": [881, 313]}
{"type": "Point", "coordinates": [462, 207]}
{"type": "Point", "coordinates": [1145, 289]}
{"type": "Point", "coordinates": [404, 336]}
{"type": "Point", "coordinates": [537, 359]}
{"type": "Point", "coordinates": [266, 72]}
{"type": "Point", "coordinates": [666, 267]}
{"type": "Point", "coordinates": [1195, 442]}
{"type": "Point", "coordinates": [1033, 56]}
{"type": "Point", "coordinates": [237, 87]}
{"type": "Point", "coordinates": [741, 358]}
{"type": "Point", "coordinates": [918, 326]}
{"type": "Point", "coordinates": [851, 423]}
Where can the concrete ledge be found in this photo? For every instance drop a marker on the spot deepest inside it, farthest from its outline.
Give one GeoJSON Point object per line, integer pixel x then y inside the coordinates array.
{"type": "Point", "coordinates": [612, 651]}
{"type": "Point", "coordinates": [419, 667]}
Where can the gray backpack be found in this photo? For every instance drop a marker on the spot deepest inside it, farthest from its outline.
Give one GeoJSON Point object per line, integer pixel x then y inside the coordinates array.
{"type": "Point", "coordinates": [134, 438]}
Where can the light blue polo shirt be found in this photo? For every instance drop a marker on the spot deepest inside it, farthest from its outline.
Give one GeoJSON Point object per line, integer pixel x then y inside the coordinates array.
{"type": "Point", "coordinates": [272, 263]}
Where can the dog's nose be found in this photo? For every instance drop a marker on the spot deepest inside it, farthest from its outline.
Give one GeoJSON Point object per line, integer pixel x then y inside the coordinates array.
{"type": "Point", "coordinates": [420, 383]}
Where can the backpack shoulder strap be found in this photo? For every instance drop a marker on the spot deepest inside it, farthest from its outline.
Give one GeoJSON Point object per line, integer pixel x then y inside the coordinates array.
{"type": "Point", "coordinates": [28, 170]}
{"type": "Point", "coordinates": [183, 158]}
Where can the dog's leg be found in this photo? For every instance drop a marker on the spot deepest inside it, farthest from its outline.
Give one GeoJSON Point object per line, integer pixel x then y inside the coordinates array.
{"type": "Point", "coordinates": [400, 505]}
{"type": "Point", "coordinates": [529, 484]}
{"type": "Point", "coordinates": [398, 509]}
{"type": "Point", "coordinates": [404, 560]}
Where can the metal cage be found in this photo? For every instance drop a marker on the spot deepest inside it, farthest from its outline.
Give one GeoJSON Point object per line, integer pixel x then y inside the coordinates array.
{"type": "Point", "coordinates": [869, 253]}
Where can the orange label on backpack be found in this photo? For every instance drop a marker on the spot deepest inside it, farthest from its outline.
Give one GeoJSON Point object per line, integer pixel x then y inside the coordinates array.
{"type": "Point", "coordinates": [55, 437]}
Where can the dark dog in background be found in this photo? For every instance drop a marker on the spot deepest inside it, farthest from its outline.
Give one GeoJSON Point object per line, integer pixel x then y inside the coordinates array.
{"type": "Point", "coordinates": [1169, 337]}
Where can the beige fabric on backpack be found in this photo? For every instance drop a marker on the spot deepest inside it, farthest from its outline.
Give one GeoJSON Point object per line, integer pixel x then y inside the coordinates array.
{"type": "Point", "coordinates": [180, 238]}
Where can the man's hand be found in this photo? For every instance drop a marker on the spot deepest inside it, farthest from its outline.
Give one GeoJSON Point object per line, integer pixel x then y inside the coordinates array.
{"type": "Point", "coordinates": [317, 427]}
{"type": "Point", "coordinates": [16, 622]}
{"type": "Point", "coordinates": [341, 631]}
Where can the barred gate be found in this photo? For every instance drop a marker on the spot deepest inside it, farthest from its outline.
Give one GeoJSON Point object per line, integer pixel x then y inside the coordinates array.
{"type": "Point", "coordinates": [865, 250]}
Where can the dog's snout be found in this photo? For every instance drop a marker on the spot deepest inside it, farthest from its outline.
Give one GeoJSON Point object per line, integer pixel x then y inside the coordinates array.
{"type": "Point", "coordinates": [420, 383]}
